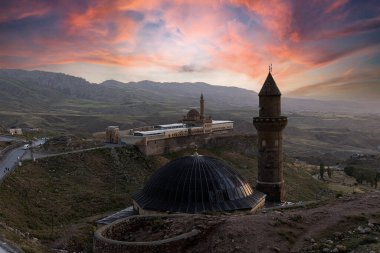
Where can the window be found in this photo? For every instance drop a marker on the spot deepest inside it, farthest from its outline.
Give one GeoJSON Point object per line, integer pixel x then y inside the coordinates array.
{"type": "Point", "coordinates": [263, 143]}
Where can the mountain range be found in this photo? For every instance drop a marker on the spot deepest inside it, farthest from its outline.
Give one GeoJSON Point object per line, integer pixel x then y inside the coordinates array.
{"type": "Point", "coordinates": [37, 91]}
{"type": "Point", "coordinates": [64, 103]}
{"type": "Point", "coordinates": [355, 91]}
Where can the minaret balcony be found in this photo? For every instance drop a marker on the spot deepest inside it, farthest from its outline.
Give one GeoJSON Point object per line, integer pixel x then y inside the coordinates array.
{"type": "Point", "coordinates": [270, 123]}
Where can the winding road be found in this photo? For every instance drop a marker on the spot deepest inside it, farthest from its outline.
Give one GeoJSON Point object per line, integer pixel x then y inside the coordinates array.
{"type": "Point", "coordinates": [8, 164]}
{"type": "Point", "coordinates": [5, 248]}
{"type": "Point", "coordinates": [13, 157]}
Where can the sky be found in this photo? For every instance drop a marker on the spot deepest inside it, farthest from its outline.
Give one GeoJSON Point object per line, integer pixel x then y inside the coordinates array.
{"type": "Point", "coordinates": [223, 42]}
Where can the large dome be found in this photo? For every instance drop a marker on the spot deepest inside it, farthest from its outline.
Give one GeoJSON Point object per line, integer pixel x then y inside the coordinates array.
{"type": "Point", "coordinates": [196, 184]}
{"type": "Point", "coordinates": [193, 114]}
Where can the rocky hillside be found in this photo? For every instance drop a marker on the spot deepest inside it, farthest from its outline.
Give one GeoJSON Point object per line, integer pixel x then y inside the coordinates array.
{"type": "Point", "coordinates": [57, 199]}
{"type": "Point", "coordinates": [349, 224]}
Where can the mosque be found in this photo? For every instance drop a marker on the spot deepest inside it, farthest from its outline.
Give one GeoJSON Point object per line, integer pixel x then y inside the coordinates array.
{"type": "Point", "coordinates": [198, 184]}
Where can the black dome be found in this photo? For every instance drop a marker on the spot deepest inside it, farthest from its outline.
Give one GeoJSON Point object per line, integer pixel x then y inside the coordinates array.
{"type": "Point", "coordinates": [193, 114]}
{"type": "Point", "coordinates": [195, 184]}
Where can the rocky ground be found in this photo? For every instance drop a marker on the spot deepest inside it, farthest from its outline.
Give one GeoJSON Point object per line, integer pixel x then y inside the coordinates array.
{"type": "Point", "coordinates": [348, 224]}
{"type": "Point", "coordinates": [62, 144]}
{"type": "Point", "coordinates": [167, 227]}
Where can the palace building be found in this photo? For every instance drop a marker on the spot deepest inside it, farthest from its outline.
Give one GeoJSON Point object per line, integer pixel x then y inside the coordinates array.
{"type": "Point", "coordinates": [161, 138]}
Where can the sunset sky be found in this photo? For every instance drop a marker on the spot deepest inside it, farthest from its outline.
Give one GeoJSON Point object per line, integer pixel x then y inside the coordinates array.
{"type": "Point", "coordinates": [225, 42]}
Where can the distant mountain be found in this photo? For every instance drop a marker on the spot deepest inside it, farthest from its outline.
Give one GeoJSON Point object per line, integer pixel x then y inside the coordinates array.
{"type": "Point", "coordinates": [355, 91]}
{"type": "Point", "coordinates": [22, 90]}
{"type": "Point", "coordinates": [37, 91]}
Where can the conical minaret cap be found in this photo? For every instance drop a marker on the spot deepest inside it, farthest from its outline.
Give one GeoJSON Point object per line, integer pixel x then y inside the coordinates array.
{"type": "Point", "coordinates": [270, 87]}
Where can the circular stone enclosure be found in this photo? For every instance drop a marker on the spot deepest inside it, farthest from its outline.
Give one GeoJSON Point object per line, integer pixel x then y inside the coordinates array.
{"type": "Point", "coordinates": [146, 233]}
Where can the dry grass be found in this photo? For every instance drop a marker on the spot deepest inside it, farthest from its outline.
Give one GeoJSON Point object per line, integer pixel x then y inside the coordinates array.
{"type": "Point", "coordinates": [58, 199]}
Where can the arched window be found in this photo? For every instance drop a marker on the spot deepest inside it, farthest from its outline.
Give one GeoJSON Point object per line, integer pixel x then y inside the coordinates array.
{"type": "Point", "coordinates": [263, 143]}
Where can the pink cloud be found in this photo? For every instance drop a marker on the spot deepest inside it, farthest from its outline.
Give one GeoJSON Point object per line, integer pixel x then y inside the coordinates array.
{"type": "Point", "coordinates": [24, 9]}
{"type": "Point", "coordinates": [240, 36]}
{"type": "Point", "coordinates": [336, 5]}
{"type": "Point", "coordinates": [276, 15]}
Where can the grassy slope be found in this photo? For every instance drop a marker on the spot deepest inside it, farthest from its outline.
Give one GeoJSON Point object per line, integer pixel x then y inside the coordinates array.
{"type": "Point", "coordinates": [58, 199]}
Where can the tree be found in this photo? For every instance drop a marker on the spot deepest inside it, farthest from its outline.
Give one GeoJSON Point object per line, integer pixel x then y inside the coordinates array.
{"type": "Point", "coordinates": [321, 170]}
{"type": "Point", "coordinates": [377, 179]}
{"type": "Point", "coordinates": [329, 171]}
{"type": "Point", "coordinates": [349, 170]}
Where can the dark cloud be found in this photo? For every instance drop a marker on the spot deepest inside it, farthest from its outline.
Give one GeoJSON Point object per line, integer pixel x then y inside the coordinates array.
{"type": "Point", "coordinates": [135, 15]}
{"type": "Point", "coordinates": [187, 68]}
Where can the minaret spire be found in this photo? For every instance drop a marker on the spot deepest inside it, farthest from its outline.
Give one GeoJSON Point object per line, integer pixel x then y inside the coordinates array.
{"type": "Point", "coordinates": [202, 106]}
{"type": "Point", "coordinates": [269, 125]}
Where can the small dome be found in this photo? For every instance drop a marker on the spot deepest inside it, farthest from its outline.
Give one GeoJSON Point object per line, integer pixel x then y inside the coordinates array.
{"type": "Point", "coordinates": [196, 184]}
{"type": "Point", "coordinates": [193, 114]}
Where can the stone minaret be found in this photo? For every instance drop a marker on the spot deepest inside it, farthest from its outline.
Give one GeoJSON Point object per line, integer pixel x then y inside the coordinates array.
{"type": "Point", "coordinates": [269, 127]}
{"type": "Point", "coordinates": [202, 102]}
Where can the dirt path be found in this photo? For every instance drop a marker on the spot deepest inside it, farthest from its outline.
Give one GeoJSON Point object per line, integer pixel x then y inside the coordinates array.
{"type": "Point", "coordinates": [286, 231]}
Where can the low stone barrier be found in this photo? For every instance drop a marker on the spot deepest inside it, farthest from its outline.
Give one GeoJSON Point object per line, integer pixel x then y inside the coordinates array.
{"type": "Point", "coordinates": [106, 239]}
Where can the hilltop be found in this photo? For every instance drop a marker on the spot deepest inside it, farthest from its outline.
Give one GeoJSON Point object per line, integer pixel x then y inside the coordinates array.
{"type": "Point", "coordinates": [58, 199]}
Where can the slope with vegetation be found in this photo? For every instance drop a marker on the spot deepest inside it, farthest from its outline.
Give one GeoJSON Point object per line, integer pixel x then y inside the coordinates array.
{"type": "Point", "coordinates": [58, 199]}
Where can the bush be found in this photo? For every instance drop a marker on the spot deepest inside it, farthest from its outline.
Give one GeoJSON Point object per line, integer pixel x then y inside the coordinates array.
{"type": "Point", "coordinates": [349, 170]}
{"type": "Point", "coordinates": [363, 174]}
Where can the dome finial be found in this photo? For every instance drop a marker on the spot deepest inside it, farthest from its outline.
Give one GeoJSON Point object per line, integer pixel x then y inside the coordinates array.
{"type": "Point", "coordinates": [270, 68]}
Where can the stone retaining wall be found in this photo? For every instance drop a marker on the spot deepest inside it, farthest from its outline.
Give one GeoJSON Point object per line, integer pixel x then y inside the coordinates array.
{"type": "Point", "coordinates": [162, 146]}
{"type": "Point", "coordinates": [106, 239]}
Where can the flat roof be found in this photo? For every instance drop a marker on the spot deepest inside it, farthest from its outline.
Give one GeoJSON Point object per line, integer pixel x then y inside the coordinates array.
{"type": "Point", "coordinates": [151, 131]}
{"type": "Point", "coordinates": [171, 125]}
{"type": "Point", "coordinates": [221, 121]}
{"type": "Point", "coordinates": [161, 130]}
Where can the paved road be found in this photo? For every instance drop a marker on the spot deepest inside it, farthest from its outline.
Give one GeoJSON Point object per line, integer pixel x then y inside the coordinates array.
{"type": "Point", "coordinates": [10, 161]}
{"type": "Point", "coordinates": [4, 248]}
{"type": "Point", "coordinates": [8, 138]}
{"type": "Point", "coordinates": [13, 157]}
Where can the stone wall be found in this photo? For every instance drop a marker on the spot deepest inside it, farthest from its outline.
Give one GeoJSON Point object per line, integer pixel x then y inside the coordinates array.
{"type": "Point", "coordinates": [162, 146]}
{"type": "Point", "coordinates": [106, 239]}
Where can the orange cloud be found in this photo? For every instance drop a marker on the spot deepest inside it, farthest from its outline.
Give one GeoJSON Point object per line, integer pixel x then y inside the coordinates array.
{"type": "Point", "coordinates": [105, 20]}
{"type": "Point", "coordinates": [235, 36]}
{"type": "Point", "coordinates": [276, 15]}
